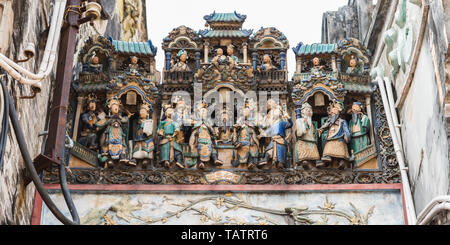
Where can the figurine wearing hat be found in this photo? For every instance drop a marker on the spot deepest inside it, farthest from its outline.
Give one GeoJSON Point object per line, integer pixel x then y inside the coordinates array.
{"type": "Point", "coordinates": [353, 66]}
{"type": "Point", "coordinates": [113, 140]}
{"type": "Point", "coordinates": [336, 143]}
{"type": "Point", "coordinates": [89, 119]}
{"type": "Point", "coordinates": [181, 65]}
{"type": "Point", "coordinates": [247, 143]}
{"type": "Point", "coordinates": [306, 152]}
{"type": "Point", "coordinates": [143, 142]}
{"type": "Point", "coordinates": [360, 128]}
{"type": "Point", "coordinates": [203, 138]}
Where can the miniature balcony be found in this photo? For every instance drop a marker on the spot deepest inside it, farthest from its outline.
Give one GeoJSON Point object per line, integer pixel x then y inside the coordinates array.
{"type": "Point", "coordinates": [178, 77]}
{"type": "Point", "coordinates": [270, 77]}
{"type": "Point", "coordinates": [307, 76]}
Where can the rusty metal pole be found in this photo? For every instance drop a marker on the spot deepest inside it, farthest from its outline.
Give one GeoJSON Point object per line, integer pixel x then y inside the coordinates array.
{"type": "Point", "coordinates": [58, 113]}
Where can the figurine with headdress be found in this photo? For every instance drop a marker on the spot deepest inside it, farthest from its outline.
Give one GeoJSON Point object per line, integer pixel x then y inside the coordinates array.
{"type": "Point", "coordinates": [113, 140]}
{"type": "Point", "coordinates": [93, 65]}
{"type": "Point", "coordinates": [277, 125]}
{"type": "Point", "coordinates": [317, 70]}
{"type": "Point", "coordinates": [247, 141]}
{"type": "Point", "coordinates": [143, 142]}
{"type": "Point", "coordinates": [222, 65]}
{"type": "Point", "coordinates": [203, 137]}
{"type": "Point", "coordinates": [360, 128]}
{"type": "Point", "coordinates": [181, 65]}
{"type": "Point", "coordinates": [89, 119]}
{"type": "Point", "coordinates": [170, 151]}
{"type": "Point", "coordinates": [338, 138]}
{"type": "Point", "coordinates": [306, 153]}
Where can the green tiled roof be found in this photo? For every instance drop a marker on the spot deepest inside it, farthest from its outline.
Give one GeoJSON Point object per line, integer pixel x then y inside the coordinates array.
{"type": "Point", "coordinates": [226, 33]}
{"type": "Point", "coordinates": [225, 17]}
{"type": "Point", "coordinates": [316, 48]}
{"type": "Point", "coordinates": [135, 48]}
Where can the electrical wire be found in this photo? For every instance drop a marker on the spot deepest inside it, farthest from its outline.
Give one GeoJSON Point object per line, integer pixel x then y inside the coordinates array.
{"type": "Point", "coordinates": [5, 124]}
{"type": "Point", "coordinates": [33, 173]}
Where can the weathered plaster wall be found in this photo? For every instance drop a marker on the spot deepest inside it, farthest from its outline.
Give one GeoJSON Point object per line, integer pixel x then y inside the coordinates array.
{"type": "Point", "coordinates": [27, 23]}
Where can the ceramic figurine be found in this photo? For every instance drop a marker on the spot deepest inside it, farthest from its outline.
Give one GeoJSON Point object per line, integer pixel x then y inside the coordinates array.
{"type": "Point", "coordinates": [267, 64]}
{"type": "Point", "coordinates": [230, 52]}
{"type": "Point", "coordinates": [360, 128]}
{"type": "Point", "coordinates": [169, 144]}
{"type": "Point", "coordinates": [306, 152]}
{"type": "Point", "coordinates": [338, 138]}
{"type": "Point", "coordinates": [277, 125]}
{"type": "Point", "coordinates": [181, 65]}
{"type": "Point", "coordinates": [222, 64]}
{"type": "Point", "coordinates": [224, 131]}
{"type": "Point", "coordinates": [94, 66]}
{"type": "Point", "coordinates": [113, 140]}
{"type": "Point", "coordinates": [134, 66]}
{"type": "Point", "coordinates": [143, 142]}
{"type": "Point", "coordinates": [352, 67]}
{"type": "Point", "coordinates": [203, 137]}
{"type": "Point", "coordinates": [89, 119]}
{"type": "Point", "coordinates": [247, 143]}
{"type": "Point", "coordinates": [317, 69]}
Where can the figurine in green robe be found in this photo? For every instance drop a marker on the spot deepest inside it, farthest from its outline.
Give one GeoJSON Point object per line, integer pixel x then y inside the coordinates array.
{"type": "Point", "coordinates": [169, 145]}
{"type": "Point", "coordinates": [360, 128]}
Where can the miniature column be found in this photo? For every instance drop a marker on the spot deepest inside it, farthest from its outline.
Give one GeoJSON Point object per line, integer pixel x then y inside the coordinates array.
{"type": "Point", "coordinates": [333, 64]}
{"type": "Point", "coordinates": [244, 50]}
{"type": "Point", "coordinates": [283, 60]}
{"type": "Point", "coordinates": [255, 60]}
{"type": "Point", "coordinates": [299, 65]}
{"type": "Point", "coordinates": [197, 60]}
{"type": "Point", "coordinates": [206, 53]}
{"type": "Point", "coordinates": [77, 118]}
{"type": "Point", "coordinates": [168, 58]}
{"type": "Point", "coordinates": [369, 114]}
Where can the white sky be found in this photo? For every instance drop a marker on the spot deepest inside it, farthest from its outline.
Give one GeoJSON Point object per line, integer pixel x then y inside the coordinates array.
{"type": "Point", "coordinates": [299, 20]}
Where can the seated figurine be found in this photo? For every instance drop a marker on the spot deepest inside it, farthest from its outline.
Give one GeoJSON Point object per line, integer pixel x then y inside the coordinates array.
{"type": "Point", "coordinates": [267, 64]}
{"type": "Point", "coordinates": [94, 66]}
{"type": "Point", "coordinates": [181, 65]}
{"type": "Point", "coordinates": [353, 68]}
{"type": "Point", "coordinates": [317, 69]}
{"type": "Point", "coordinates": [134, 66]}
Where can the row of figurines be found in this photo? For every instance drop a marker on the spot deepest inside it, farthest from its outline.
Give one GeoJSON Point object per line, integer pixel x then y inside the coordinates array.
{"type": "Point", "coordinates": [336, 135]}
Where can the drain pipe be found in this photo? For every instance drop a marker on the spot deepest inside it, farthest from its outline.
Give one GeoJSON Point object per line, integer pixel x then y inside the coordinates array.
{"type": "Point", "coordinates": [391, 99]}
{"type": "Point", "coordinates": [436, 206]}
{"type": "Point", "coordinates": [409, 202]}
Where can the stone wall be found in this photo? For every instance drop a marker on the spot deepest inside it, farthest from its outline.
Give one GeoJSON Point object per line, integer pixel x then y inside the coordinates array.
{"type": "Point", "coordinates": [424, 118]}
{"type": "Point", "coordinates": [28, 22]}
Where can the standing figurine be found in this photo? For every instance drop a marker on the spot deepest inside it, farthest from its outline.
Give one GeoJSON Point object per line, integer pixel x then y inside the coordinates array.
{"type": "Point", "coordinates": [317, 69]}
{"type": "Point", "coordinates": [337, 139]}
{"type": "Point", "coordinates": [278, 123]}
{"type": "Point", "coordinates": [181, 65]}
{"type": "Point", "coordinates": [89, 119]}
{"type": "Point", "coordinates": [230, 52]}
{"type": "Point", "coordinates": [113, 140]}
{"type": "Point", "coordinates": [225, 131]}
{"type": "Point", "coordinates": [170, 148]}
{"type": "Point", "coordinates": [143, 143]}
{"type": "Point", "coordinates": [247, 143]}
{"type": "Point", "coordinates": [306, 151]}
{"type": "Point", "coordinates": [94, 66]}
{"type": "Point", "coordinates": [360, 128]}
{"type": "Point", "coordinates": [202, 140]}
{"type": "Point", "coordinates": [222, 65]}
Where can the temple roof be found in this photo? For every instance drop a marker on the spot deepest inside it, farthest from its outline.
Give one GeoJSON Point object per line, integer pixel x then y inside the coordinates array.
{"type": "Point", "coordinates": [225, 33]}
{"type": "Point", "coordinates": [225, 17]}
{"type": "Point", "coordinates": [134, 48]}
{"type": "Point", "coordinates": [314, 49]}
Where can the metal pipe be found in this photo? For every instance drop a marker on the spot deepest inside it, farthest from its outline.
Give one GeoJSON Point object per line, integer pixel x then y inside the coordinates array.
{"type": "Point", "coordinates": [391, 99]}
{"type": "Point", "coordinates": [437, 205]}
{"type": "Point", "coordinates": [409, 201]}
